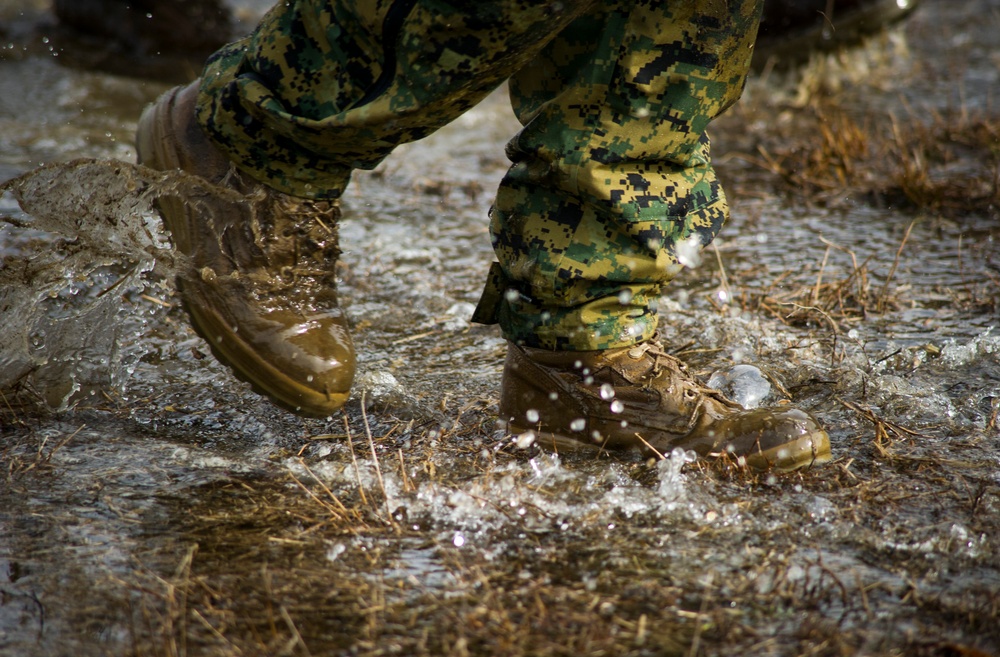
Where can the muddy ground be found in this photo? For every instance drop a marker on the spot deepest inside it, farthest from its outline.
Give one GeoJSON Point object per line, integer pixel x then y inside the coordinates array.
{"type": "Point", "coordinates": [150, 504]}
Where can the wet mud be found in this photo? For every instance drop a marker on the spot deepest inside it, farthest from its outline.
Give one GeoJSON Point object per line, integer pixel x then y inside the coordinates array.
{"type": "Point", "coordinates": [151, 504]}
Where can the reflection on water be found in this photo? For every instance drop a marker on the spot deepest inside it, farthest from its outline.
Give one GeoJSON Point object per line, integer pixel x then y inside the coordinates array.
{"type": "Point", "coordinates": [159, 506]}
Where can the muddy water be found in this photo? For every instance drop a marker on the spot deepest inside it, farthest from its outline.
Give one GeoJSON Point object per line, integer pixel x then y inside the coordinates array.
{"type": "Point", "coordinates": [151, 504]}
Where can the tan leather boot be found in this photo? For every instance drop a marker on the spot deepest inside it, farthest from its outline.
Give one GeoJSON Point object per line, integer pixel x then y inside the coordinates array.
{"type": "Point", "coordinates": [641, 398]}
{"type": "Point", "coordinates": [259, 282]}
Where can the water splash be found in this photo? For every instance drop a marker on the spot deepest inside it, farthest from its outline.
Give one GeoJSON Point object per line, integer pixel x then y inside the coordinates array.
{"type": "Point", "coordinates": [78, 257]}
{"type": "Point", "coordinates": [744, 384]}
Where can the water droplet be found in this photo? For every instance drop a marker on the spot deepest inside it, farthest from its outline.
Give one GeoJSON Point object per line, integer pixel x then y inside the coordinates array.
{"type": "Point", "coordinates": [531, 415]}
{"type": "Point", "coordinates": [618, 407]}
{"type": "Point", "coordinates": [459, 540]}
{"type": "Point", "coordinates": [578, 424]}
{"type": "Point", "coordinates": [335, 551]}
{"type": "Point", "coordinates": [744, 384]}
{"type": "Point", "coordinates": [525, 440]}
{"type": "Point", "coordinates": [689, 251]}
{"type": "Point", "coordinates": [625, 297]}
{"type": "Point", "coordinates": [607, 391]}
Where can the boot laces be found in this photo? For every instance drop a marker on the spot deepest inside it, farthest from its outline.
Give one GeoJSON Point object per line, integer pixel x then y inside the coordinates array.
{"type": "Point", "coordinates": [691, 387]}
{"type": "Point", "coordinates": [276, 215]}
{"type": "Point", "coordinates": [301, 239]}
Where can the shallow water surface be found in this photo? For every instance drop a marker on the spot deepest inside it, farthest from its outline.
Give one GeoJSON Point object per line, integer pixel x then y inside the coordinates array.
{"type": "Point", "coordinates": [150, 504]}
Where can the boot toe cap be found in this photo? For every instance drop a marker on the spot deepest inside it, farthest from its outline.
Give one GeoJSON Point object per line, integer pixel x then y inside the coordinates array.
{"type": "Point", "coordinates": [778, 438]}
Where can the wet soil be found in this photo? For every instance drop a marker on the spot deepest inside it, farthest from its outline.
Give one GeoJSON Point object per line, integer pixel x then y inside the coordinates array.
{"type": "Point", "coordinates": [151, 504]}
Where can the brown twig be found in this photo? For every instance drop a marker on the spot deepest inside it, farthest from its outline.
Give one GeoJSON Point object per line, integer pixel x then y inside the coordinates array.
{"type": "Point", "coordinates": [892, 271]}
{"type": "Point", "coordinates": [378, 467]}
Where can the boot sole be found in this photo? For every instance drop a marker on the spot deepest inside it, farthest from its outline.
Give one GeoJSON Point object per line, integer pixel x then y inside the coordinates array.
{"type": "Point", "coordinates": [806, 451]}
{"type": "Point", "coordinates": [227, 347]}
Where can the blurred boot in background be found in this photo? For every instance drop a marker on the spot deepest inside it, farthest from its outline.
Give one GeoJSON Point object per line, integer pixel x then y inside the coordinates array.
{"type": "Point", "coordinates": [168, 39]}
{"type": "Point", "coordinates": [791, 30]}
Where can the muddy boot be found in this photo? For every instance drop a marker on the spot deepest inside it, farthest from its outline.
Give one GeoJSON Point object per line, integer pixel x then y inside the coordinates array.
{"type": "Point", "coordinates": [163, 39]}
{"type": "Point", "coordinates": [150, 26]}
{"type": "Point", "coordinates": [259, 284]}
{"type": "Point", "coordinates": [791, 30]}
{"type": "Point", "coordinates": [641, 398]}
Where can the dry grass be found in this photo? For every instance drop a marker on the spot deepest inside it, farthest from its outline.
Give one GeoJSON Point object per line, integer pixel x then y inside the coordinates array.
{"type": "Point", "coordinates": [16, 403]}
{"type": "Point", "coordinates": [294, 561]}
{"type": "Point", "coordinates": [808, 298]}
{"type": "Point", "coordinates": [949, 166]}
{"type": "Point", "coordinates": [288, 567]}
{"type": "Point", "coordinates": [942, 163]}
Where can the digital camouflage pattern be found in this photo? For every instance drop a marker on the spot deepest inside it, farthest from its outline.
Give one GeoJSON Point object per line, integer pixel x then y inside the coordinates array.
{"type": "Point", "coordinates": [324, 87]}
{"type": "Point", "coordinates": [610, 172]}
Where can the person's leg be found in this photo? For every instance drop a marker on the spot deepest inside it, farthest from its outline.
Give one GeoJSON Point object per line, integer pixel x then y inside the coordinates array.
{"type": "Point", "coordinates": [322, 88]}
{"type": "Point", "coordinates": [611, 176]}
{"type": "Point", "coordinates": [281, 118]}
{"type": "Point", "coordinates": [611, 171]}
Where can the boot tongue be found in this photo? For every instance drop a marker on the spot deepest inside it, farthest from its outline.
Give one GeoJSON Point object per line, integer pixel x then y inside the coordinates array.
{"type": "Point", "coordinates": [635, 365]}
{"type": "Point", "coordinates": [639, 365]}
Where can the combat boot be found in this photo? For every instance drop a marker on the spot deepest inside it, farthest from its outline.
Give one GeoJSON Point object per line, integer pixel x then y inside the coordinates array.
{"type": "Point", "coordinates": [792, 30]}
{"type": "Point", "coordinates": [641, 398]}
{"type": "Point", "coordinates": [258, 281]}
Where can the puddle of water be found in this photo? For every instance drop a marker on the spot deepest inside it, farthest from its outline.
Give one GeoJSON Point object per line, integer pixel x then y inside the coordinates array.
{"type": "Point", "coordinates": [165, 508]}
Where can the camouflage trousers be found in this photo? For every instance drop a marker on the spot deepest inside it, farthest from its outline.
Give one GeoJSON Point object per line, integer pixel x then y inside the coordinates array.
{"type": "Point", "coordinates": [610, 174]}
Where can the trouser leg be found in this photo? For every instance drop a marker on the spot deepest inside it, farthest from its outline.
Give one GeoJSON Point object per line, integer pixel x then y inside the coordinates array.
{"type": "Point", "coordinates": [324, 87]}
{"type": "Point", "coordinates": [611, 171]}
